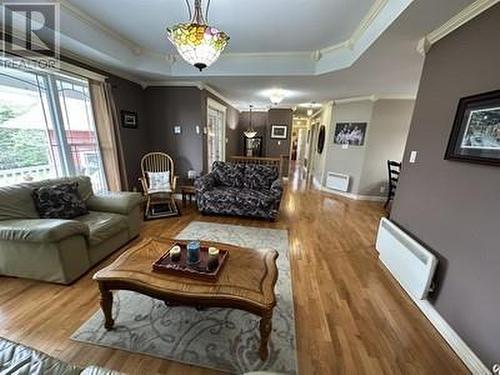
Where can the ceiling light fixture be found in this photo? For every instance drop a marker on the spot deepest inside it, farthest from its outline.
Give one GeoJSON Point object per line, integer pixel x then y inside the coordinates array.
{"type": "Point", "coordinates": [197, 42]}
{"type": "Point", "coordinates": [277, 96]}
{"type": "Point", "coordinates": [250, 132]}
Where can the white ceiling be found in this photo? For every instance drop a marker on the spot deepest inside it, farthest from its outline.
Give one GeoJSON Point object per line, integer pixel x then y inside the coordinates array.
{"type": "Point", "coordinates": [253, 25]}
{"type": "Point", "coordinates": [128, 37]}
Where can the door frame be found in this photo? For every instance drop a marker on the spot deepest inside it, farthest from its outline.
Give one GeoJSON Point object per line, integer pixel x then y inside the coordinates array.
{"type": "Point", "coordinates": [215, 105]}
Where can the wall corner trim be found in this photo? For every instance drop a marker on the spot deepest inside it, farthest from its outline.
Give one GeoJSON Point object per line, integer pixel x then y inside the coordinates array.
{"type": "Point", "coordinates": [464, 16]}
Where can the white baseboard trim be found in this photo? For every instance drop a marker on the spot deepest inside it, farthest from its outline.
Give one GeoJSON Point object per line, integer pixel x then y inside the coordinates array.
{"type": "Point", "coordinates": [468, 357]}
{"type": "Point", "coordinates": [357, 197]}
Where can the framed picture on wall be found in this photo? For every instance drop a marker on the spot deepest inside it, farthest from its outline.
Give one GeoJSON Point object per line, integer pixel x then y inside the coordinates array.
{"type": "Point", "coordinates": [475, 136]}
{"type": "Point", "coordinates": [129, 119]}
{"type": "Point", "coordinates": [350, 133]}
{"type": "Point", "coordinates": [279, 131]}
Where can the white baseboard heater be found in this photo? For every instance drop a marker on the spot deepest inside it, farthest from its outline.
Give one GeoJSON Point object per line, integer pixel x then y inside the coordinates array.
{"type": "Point", "coordinates": [409, 262]}
{"type": "Point", "coordinates": [337, 181]}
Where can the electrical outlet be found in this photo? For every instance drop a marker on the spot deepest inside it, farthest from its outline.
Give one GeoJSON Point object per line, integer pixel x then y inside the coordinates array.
{"type": "Point", "coordinates": [496, 369]}
{"type": "Point", "coordinates": [382, 189]}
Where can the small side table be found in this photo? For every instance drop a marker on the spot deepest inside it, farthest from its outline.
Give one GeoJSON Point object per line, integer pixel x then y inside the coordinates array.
{"type": "Point", "coordinates": [188, 192]}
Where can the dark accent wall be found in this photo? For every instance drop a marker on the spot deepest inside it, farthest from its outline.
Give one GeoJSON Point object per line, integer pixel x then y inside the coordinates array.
{"type": "Point", "coordinates": [453, 207]}
{"type": "Point", "coordinates": [277, 147]}
{"type": "Point", "coordinates": [261, 122]}
{"type": "Point", "coordinates": [167, 107]}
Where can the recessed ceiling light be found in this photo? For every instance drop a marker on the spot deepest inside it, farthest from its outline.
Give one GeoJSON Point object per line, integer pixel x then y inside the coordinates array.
{"type": "Point", "coordinates": [277, 96]}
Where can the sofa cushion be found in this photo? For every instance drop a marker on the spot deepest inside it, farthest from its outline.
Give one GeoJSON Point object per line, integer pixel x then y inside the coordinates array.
{"type": "Point", "coordinates": [227, 174]}
{"type": "Point", "coordinates": [221, 195]}
{"type": "Point", "coordinates": [259, 177]}
{"type": "Point", "coordinates": [16, 201]}
{"type": "Point", "coordinates": [103, 225]}
{"type": "Point", "coordinates": [59, 201]}
{"type": "Point", "coordinates": [41, 230]}
{"type": "Point", "coordinates": [255, 198]}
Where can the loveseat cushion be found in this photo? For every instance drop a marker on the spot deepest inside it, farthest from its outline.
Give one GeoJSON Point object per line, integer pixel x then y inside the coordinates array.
{"type": "Point", "coordinates": [254, 198]}
{"type": "Point", "coordinates": [41, 230]}
{"type": "Point", "coordinates": [59, 201]}
{"type": "Point", "coordinates": [117, 202]}
{"type": "Point", "coordinates": [221, 195]}
{"type": "Point", "coordinates": [259, 177]}
{"type": "Point", "coordinates": [103, 225]}
{"type": "Point", "coordinates": [228, 174]}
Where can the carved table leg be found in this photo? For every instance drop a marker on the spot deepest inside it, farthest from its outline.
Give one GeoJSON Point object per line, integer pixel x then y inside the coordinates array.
{"type": "Point", "coordinates": [265, 331]}
{"type": "Point", "coordinates": [107, 306]}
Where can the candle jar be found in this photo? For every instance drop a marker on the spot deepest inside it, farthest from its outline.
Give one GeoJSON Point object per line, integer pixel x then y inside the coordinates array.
{"type": "Point", "coordinates": [213, 258]}
{"type": "Point", "coordinates": [175, 253]}
{"type": "Point", "coordinates": [193, 252]}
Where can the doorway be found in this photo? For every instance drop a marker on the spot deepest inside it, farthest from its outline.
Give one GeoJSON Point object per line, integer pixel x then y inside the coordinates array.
{"type": "Point", "coordinates": [216, 132]}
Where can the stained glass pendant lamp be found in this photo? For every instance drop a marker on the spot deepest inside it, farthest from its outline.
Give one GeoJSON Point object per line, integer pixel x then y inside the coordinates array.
{"type": "Point", "coordinates": [250, 132]}
{"type": "Point", "coordinates": [197, 42]}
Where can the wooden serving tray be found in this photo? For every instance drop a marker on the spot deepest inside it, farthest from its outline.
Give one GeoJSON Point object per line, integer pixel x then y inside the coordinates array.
{"type": "Point", "coordinates": [197, 271]}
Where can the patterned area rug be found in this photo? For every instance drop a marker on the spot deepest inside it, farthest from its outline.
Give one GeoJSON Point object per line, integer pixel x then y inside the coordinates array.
{"type": "Point", "coordinates": [222, 339]}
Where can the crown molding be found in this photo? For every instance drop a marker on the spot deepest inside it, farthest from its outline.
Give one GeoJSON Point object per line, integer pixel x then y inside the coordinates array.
{"type": "Point", "coordinates": [373, 98]}
{"type": "Point", "coordinates": [464, 16]}
{"type": "Point", "coordinates": [367, 20]}
{"type": "Point", "coordinates": [354, 99]}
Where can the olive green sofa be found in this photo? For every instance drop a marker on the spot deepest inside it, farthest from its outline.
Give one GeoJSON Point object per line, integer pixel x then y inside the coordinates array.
{"type": "Point", "coordinates": [57, 250]}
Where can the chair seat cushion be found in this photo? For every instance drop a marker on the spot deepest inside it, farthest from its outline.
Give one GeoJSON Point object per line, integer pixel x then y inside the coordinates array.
{"type": "Point", "coordinates": [103, 225]}
{"type": "Point", "coordinates": [222, 195]}
{"type": "Point", "coordinates": [254, 198]}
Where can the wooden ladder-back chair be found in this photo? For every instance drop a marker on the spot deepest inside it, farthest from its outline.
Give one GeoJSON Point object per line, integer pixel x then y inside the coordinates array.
{"type": "Point", "coordinates": [156, 162]}
{"type": "Point", "coordinates": [394, 170]}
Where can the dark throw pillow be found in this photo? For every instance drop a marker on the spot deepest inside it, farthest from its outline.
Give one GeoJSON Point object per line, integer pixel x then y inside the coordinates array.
{"type": "Point", "coordinates": [59, 201]}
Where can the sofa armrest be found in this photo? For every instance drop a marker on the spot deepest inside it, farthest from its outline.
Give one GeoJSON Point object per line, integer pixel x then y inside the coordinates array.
{"type": "Point", "coordinates": [204, 183]}
{"type": "Point", "coordinates": [277, 189]}
{"type": "Point", "coordinates": [117, 203]}
{"type": "Point", "coordinates": [41, 230]}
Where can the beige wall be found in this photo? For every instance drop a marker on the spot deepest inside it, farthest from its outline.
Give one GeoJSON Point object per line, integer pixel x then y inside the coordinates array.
{"type": "Point", "coordinates": [349, 160]}
{"type": "Point", "coordinates": [387, 130]}
{"type": "Point", "coordinates": [386, 140]}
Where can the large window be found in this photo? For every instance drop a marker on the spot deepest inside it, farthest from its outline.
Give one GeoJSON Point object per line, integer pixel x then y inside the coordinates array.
{"type": "Point", "coordinates": [47, 128]}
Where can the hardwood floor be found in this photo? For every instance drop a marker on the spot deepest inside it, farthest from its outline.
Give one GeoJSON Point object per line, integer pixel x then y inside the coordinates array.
{"type": "Point", "coordinates": [351, 316]}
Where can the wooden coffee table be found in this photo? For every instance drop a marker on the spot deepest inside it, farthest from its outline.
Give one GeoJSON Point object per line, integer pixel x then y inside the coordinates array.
{"type": "Point", "coordinates": [246, 282]}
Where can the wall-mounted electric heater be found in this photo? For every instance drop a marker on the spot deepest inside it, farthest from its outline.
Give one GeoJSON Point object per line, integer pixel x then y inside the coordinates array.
{"type": "Point", "coordinates": [409, 262]}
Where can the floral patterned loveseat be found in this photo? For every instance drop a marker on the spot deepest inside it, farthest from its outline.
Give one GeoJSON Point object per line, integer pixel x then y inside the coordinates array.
{"type": "Point", "coordinates": [240, 189]}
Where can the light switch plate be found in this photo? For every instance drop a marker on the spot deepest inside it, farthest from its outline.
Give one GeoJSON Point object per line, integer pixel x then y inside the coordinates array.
{"type": "Point", "coordinates": [413, 157]}
{"type": "Point", "coordinates": [197, 129]}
